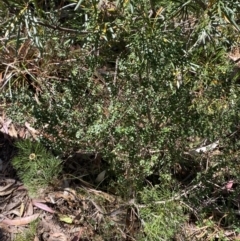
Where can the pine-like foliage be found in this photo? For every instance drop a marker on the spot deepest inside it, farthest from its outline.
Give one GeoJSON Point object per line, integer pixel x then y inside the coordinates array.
{"type": "Point", "coordinates": [161, 215]}
{"type": "Point", "coordinates": [35, 166]}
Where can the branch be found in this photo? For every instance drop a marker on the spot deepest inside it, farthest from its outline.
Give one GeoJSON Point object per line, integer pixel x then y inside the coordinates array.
{"type": "Point", "coordinates": [69, 30]}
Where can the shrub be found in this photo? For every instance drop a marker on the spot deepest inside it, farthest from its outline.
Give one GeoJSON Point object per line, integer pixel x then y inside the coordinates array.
{"type": "Point", "coordinates": [36, 167]}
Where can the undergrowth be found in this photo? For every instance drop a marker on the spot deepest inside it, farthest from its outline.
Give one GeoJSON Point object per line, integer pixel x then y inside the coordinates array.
{"type": "Point", "coordinates": [144, 84]}
{"type": "Point", "coordinates": [36, 167]}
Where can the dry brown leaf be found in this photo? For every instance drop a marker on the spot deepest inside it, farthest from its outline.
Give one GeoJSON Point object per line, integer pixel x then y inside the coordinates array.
{"type": "Point", "coordinates": [36, 238]}
{"type": "Point", "coordinates": [3, 188]}
{"type": "Point", "coordinates": [21, 221]}
{"type": "Point", "coordinates": [12, 205]}
{"type": "Point", "coordinates": [32, 131]}
{"type": "Point", "coordinates": [79, 234]}
{"type": "Point", "coordinates": [22, 133]}
{"type": "Point", "coordinates": [39, 200]}
{"type": "Point", "coordinates": [27, 125]}
{"type": "Point", "coordinates": [9, 229]}
{"type": "Point", "coordinates": [5, 124]}
{"type": "Point", "coordinates": [1, 78]}
{"type": "Point", "coordinates": [12, 131]}
{"type": "Point", "coordinates": [43, 206]}
{"type": "Point", "coordinates": [29, 210]}
{"type": "Point", "coordinates": [100, 176]}
{"type": "Point", "coordinates": [22, 208]}
{"type": "Point", "coordinates": [15, 212]}
{"type": "Point", "coordinates": [58, 237]}
{"type": "Point", "coordinates": [7, 192]}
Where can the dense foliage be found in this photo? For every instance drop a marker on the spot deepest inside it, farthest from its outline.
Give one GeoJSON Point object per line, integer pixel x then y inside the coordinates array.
{"type": "Point", "coordinates": [37, 167]}
{"type": "Point", "coordinates": [144, 83]}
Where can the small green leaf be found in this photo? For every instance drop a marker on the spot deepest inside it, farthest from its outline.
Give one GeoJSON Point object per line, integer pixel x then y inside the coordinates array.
{"type": "Point", "coordinates": [65, 218]}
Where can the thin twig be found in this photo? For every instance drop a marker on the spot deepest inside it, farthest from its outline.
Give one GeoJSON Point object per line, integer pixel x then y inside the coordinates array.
{"type": "Point", "coordinates": [69, 30]}
{"type": "Point", "coordinates": [115, 72]}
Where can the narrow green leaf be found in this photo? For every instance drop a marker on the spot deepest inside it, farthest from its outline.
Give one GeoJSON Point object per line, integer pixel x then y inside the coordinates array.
{"type": "Point", "coordinates": [78, 5]}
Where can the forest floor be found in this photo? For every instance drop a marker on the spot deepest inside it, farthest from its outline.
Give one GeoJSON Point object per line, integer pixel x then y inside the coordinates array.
{"type": "Point", "coordinates": [74, 208]}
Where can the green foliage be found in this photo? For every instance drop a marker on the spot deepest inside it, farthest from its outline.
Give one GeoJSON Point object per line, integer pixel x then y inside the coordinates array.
{"type": "Point", "coordinates": [138, 81]}
{"type": "Point", "coordinates": [161, 217]}
{"type": "Point", "coordinates": [36, 167]}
